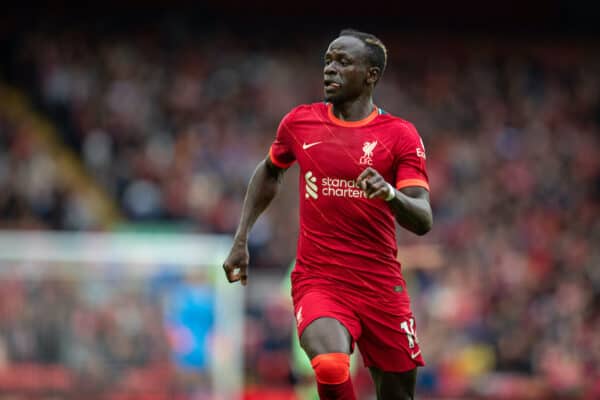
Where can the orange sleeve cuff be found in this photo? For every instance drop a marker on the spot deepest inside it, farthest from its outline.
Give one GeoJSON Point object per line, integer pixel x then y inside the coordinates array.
{"type": "Point", "coordinates": [412, 182]}
{"type": "Point", "coordinates": [276, 162]}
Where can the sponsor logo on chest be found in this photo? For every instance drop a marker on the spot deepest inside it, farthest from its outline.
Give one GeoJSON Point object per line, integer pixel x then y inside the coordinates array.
{"type": "Point", "coordinates": [331, 187]}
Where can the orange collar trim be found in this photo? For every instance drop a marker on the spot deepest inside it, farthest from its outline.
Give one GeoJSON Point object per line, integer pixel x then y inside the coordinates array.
{"type": "Point", "coordinates": [351, 124]}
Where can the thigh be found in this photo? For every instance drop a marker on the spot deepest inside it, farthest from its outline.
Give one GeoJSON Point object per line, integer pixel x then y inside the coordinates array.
{"type": "Point", "coordinates": [389, 340]}
{"type": "Point", "coordinates": [324, 323]}
{"type": "Point", "coordinates": [394, 385]}
{"type": "Point", "coordinates": [325, 335]}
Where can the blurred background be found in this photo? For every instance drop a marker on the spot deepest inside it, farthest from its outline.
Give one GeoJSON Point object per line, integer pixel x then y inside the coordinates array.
{"type": "Point", "coordinates": [146, 118]}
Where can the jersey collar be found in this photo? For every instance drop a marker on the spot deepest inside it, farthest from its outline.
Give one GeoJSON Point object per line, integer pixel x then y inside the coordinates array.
{"type": "Point", "coordinates": [351, 124]}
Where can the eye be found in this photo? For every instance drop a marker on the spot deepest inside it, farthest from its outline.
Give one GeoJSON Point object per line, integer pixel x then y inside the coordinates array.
{"type": "Point", "coordinates": [345, 62]}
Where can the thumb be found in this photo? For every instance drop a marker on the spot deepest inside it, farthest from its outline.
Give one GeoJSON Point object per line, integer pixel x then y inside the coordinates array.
{"type": "Point", "coordinates": [243, 276]}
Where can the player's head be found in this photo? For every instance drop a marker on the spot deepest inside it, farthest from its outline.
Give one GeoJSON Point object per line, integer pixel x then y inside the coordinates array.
{"type": "Point", "coordinates": [354, 63]}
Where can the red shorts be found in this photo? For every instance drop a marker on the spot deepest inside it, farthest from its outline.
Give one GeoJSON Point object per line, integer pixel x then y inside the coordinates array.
{"type": "Point", "coordinates": [383, 327]}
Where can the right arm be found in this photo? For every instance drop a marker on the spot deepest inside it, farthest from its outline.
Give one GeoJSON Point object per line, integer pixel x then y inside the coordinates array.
{"type": "Point", "coordinates": [262, 189]}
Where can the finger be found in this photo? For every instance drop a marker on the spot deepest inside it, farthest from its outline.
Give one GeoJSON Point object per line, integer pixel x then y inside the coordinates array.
{"type": "Point", "coordinates": [374, 180]}
{"type": "Point", "coordinates": [232, 273]}
{"type": "Point", "coordinates": [238, 274]}
{"type": "Point", "coordinates": [368, 172]}
{"type": "Point", "coordinates": [372, 184]}
{"type": "Point", "coordinates": [371, 176]}
{"type": "Point", "coordinates": [227, 272]}
{"type": "Point", "coordinates": [379, 186]}
{"type": "Point", "coordinates": [235, 275]}
{"type": "Point", "coordinates": [379, 193]}
{"type": "Point", "coordinates": [243, 276]}
{"type": "Point", "coordinates": [366, 183]}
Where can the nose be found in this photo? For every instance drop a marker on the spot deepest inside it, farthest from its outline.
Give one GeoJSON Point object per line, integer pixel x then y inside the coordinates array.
{"type": "Point", "coordinates": [329, 69]}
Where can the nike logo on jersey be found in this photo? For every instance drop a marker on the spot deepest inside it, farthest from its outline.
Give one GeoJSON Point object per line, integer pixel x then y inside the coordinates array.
{"type": "Point", "coordinates": [415, 354]}
{"type": "Point", "coordinates": [308, 146]}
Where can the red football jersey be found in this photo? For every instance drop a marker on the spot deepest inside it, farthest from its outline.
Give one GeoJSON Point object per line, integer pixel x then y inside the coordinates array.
{"type": "Point", "coordinates": [344, 236]}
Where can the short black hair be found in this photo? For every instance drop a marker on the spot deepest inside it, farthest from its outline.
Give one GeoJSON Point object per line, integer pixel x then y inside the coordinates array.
{"type": "Point", "coordinates": [375, 47]}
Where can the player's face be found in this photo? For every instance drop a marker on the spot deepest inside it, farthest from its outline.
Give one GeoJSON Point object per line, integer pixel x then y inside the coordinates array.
{"type": "Point", "coordinates": [346, 70]}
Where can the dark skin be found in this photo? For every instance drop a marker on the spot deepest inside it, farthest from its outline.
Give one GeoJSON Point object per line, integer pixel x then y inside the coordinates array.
{"type": "Point", "coordinates": [349, 80]}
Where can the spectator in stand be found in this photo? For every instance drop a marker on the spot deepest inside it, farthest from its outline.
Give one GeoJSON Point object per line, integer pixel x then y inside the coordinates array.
{"type": "Point", "coordinates": [514, 158]}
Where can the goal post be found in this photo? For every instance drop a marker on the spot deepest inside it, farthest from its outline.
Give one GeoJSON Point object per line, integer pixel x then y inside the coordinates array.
{"type": "Point", "coordinates": [91, 256]}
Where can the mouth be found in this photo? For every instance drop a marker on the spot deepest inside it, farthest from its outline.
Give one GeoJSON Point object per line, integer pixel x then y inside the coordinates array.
{"type": "Point", "coordinates": [331, 84]}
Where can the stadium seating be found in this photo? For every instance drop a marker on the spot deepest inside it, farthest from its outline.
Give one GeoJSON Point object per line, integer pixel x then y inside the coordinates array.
{"type": "Point", "coordinates": [171, 133]}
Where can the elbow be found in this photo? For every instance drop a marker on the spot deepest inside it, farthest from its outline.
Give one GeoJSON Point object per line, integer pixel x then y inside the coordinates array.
{"type": "Point", "coordinates": [421, 231]}
{"type": "Point", "coordinates": [424, 227]}
{"type": "Point", "coordinates": [273, 172]}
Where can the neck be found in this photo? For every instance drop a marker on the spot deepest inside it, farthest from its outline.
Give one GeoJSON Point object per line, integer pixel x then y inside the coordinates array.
{"type": "Point", "coordinates": [354, 110]}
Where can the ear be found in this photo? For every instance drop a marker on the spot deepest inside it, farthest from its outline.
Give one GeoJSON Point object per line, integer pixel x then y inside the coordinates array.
{"type": "Point", "coordinates": [373, 75]}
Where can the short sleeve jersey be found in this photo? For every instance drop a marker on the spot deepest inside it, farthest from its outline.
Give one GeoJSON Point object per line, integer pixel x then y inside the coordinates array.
{"type": "Point", "coordinates": [344, 236]}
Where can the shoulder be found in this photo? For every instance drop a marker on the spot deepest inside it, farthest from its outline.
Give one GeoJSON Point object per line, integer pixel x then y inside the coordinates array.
{"type": "Point", "coordinates": [304, 112]}
{"type": "Point", "coordinates": [399, 126]}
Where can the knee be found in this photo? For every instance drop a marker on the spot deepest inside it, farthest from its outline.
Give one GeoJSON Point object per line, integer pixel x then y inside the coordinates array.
{"type": "Point", "coordinates": [331, 368]}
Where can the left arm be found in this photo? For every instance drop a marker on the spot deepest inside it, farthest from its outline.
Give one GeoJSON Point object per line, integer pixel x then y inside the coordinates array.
{"type": "Point", "coordinates": [410, 205]}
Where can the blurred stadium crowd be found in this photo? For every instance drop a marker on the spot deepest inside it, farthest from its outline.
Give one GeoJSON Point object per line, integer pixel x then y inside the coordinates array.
{"type": "Point", "coordinates": [172, 126]}
{"type": "Point", "coordinates": [63, 336]}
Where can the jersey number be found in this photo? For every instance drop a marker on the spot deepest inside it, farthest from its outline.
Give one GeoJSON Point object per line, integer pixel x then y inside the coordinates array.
{"type": "Point", "coordinates": [411, 334]}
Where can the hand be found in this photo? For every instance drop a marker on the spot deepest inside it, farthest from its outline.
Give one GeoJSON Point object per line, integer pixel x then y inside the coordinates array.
{"type": "Point", "coordinates": [236, 263]}
{"type": "Point", "coordinates": [373, 184]}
